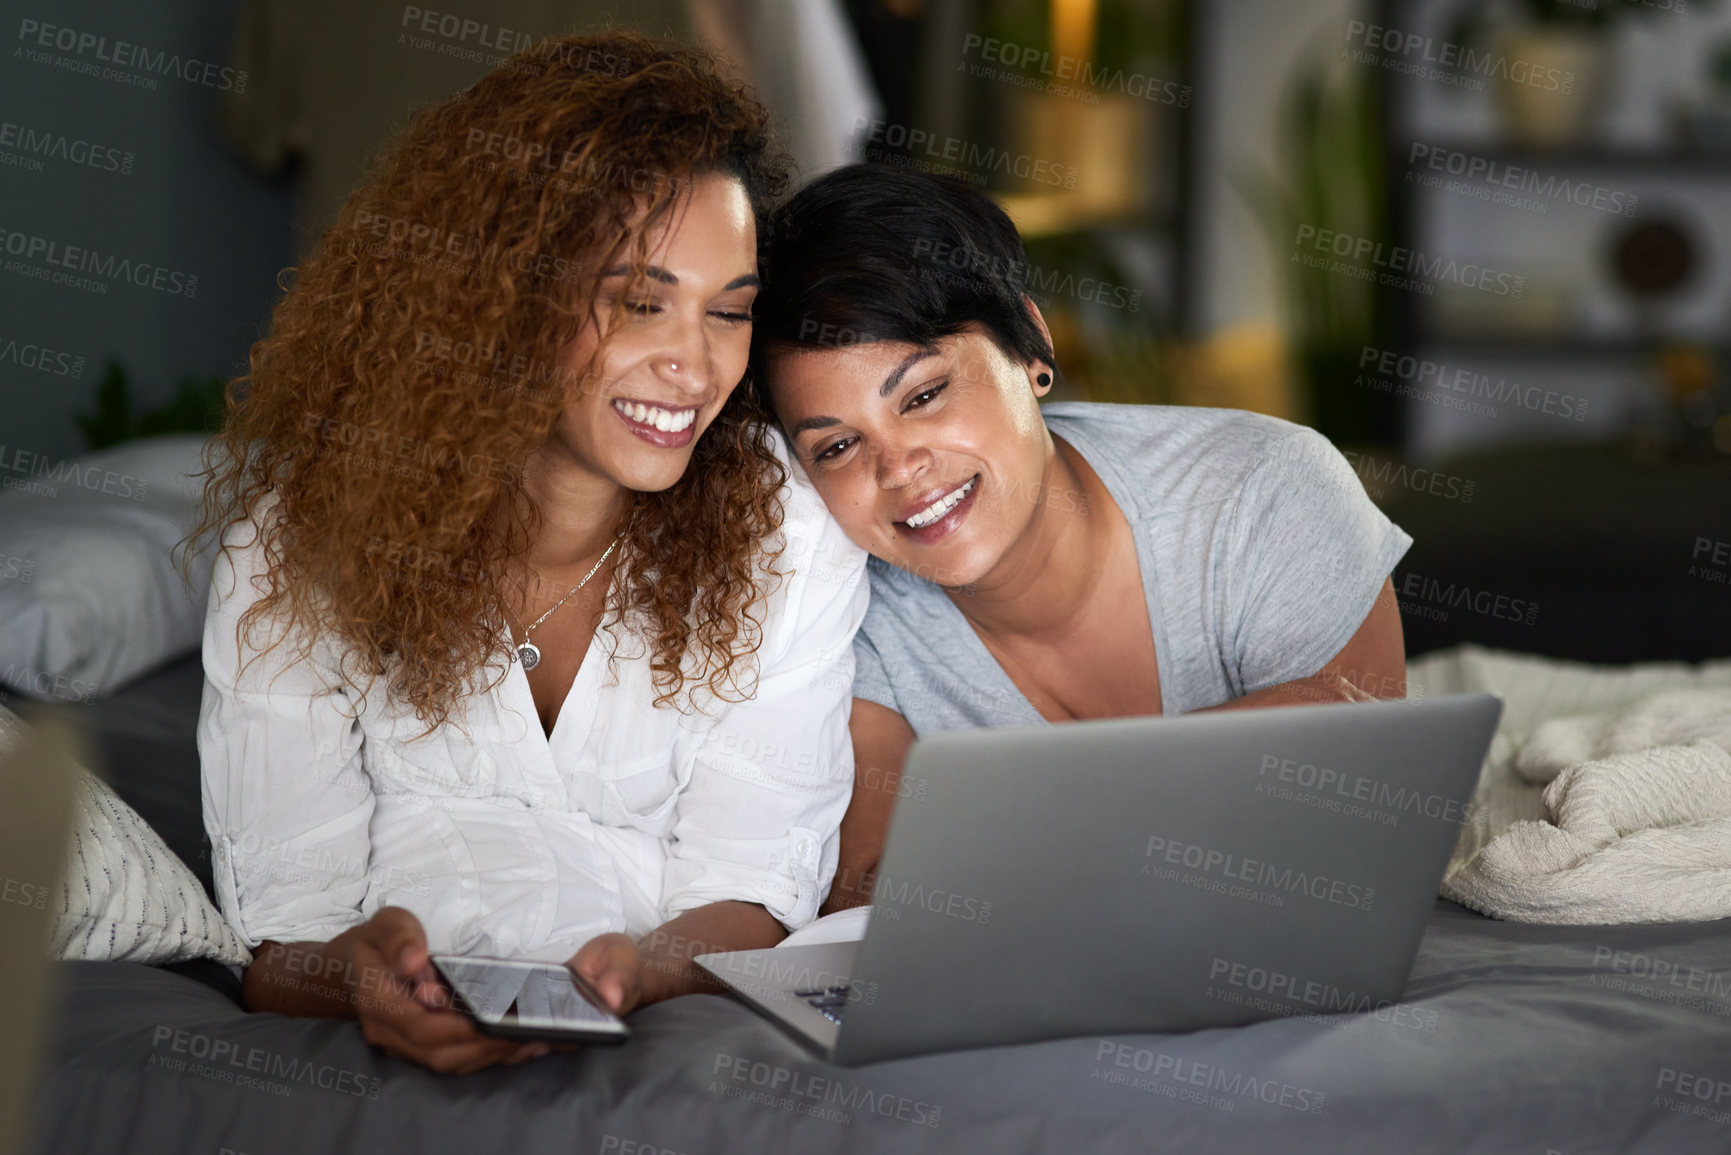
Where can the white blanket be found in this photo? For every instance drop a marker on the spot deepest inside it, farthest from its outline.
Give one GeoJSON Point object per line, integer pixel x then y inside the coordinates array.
{"type": "Point", "coordinates": [1606, 797]}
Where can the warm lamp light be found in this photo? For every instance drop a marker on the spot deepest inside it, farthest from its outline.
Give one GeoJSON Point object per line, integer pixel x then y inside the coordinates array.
{"type": "Point", "coordinates": [1073, 28]}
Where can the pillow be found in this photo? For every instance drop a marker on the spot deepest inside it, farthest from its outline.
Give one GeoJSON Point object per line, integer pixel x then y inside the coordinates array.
{"type": "Point", "coordinates": [90, 596]}
{"type": "Point", "coordinates": [125, 897]}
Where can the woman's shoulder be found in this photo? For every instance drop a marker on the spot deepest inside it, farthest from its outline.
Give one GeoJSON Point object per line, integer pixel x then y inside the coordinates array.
{"type": "Point", "coordinates": [1171, 429]}
{"type": "Point", "coordinates": [1192, 453]}
{"type": "Point", "coordinates": [242, 576]}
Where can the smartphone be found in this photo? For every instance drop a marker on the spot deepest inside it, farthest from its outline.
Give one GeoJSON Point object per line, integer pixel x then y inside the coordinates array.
{"type": "Point", "coordinates": [516, 999]}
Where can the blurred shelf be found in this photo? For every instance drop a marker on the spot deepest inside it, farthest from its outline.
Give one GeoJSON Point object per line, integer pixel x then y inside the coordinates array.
{"type": "Point", "coordinates": [1665, 161]}
{"type": "Point", "coordinates": [1565, 345]}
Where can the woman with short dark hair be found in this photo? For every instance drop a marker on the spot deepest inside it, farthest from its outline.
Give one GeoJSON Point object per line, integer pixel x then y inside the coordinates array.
{"type": "Point", "coordinates": [1038, 564]}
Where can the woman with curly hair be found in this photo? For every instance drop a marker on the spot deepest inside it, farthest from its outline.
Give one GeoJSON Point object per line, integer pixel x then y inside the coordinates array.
{"type": "Point", "coordinates": [525, 637]}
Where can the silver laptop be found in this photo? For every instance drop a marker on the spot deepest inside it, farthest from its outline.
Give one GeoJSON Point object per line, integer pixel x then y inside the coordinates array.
{"type": "Point", "coordinates": [1140, 875]}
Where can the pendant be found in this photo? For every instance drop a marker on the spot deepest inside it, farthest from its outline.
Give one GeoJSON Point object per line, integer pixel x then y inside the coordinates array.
{"type": "Point", "coordinates": [529, 655]}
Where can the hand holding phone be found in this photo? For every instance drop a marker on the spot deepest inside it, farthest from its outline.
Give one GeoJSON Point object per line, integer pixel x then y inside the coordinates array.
{"type": "Point", "coordinates": [402, 1005]}
{"type": "Point", "coordinates": [519, 999]}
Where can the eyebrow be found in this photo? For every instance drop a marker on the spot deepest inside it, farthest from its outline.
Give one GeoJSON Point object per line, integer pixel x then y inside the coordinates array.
{"type": "Point", "coordinates": [884, 390]}
{"type": "Point", "coordinates": [814, 423]}
{"type": "Point", "coordinates": [908, 362]}
{"type": "Point", "coordinates": [657, 273]}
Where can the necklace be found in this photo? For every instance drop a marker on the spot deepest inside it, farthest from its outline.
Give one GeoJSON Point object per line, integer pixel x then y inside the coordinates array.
{"type": "Point", "coordinates": [530, 654]}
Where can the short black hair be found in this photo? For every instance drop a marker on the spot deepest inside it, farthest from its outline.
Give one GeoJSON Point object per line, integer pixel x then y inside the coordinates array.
{"type": "Point", "coordinates": [875, 253]}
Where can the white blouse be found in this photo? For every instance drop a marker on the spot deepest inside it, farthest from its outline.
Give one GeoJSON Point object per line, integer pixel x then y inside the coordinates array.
{"type": "Point", "coordinates": [322, 805]}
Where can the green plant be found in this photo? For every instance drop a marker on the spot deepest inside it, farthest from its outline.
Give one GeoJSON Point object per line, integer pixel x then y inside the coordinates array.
{"type": "Point", "coordinates": [1331, 177]}
{"type": "Point", "coordinates": [196, 407]}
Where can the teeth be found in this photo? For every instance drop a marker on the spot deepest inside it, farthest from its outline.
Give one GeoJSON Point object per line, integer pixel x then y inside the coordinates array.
{"type": "Point", "coordinates": [940, 507]}
{"type": "Point", "coordinates": [666, 420]}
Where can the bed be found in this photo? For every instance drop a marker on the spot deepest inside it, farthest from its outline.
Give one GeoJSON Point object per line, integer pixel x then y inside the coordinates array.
{"type": "Point", "coordinates": [1512, 1037]}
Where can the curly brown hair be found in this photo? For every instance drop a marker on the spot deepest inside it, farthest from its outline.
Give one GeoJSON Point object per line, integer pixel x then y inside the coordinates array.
{"type": "Point", "coordinates": [386, 427]}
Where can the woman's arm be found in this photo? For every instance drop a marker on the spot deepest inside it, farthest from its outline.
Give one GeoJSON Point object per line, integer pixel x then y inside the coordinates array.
{"type": "Point", "coordinates": [1304, 607]}
{"type": "Point", "coordinates": [755, 836]}
{"type": "Point", "coordinates": [659, 966]}
{"type": "Point", "coordinates": [287, 802]}
{"type": "Point", "coordinates": [1370, 666]}
{"type": "Point", "coordinates": [287, 805]}
{"type": "Point", "coordinates": [881, 739]}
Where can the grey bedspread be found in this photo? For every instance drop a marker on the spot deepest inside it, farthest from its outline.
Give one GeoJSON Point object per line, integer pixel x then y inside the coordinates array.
{"type": "Point", "coordinates": [1513, 1038]}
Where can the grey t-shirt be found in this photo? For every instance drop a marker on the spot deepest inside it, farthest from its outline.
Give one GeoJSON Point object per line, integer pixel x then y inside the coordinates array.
{"type": "Point", "coordinates": [1260, 553]}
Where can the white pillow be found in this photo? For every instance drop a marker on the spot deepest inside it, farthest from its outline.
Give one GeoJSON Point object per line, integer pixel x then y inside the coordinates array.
{"type": "Point", "coordinates": [90, 596]}
{"type": "Point", "coordinates": [125, 896]}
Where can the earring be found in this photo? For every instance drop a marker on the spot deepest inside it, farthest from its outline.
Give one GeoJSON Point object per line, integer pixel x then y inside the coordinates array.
{"type": "Point", "coordinates": [1043, 380]}
{"type": "Point", "coordinates": [673, 366]}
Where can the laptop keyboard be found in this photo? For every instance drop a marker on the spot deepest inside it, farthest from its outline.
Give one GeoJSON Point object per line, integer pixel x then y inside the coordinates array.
{"type": "Point", "coordinates": [830, 1001]}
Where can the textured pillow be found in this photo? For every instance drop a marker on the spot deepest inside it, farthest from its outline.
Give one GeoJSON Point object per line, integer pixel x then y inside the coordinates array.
{"type": "Point", "coordinates": [90, 597]}
{"type": "Point", "coordinates": [125, 897]}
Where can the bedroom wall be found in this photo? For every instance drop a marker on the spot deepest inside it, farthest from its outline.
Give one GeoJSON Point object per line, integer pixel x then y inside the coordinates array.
{"type": "Point", "coordinates": [190, 205]}
{"type": "Point", "coordinates": [163, 192]}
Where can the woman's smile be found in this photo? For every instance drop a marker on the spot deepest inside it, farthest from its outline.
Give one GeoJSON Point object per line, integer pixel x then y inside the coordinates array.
{"type": "Point", "coordinates": [670, 427]}
{"type": "Point", "coordinates": [938, 514]}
